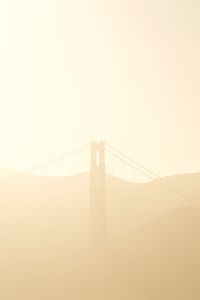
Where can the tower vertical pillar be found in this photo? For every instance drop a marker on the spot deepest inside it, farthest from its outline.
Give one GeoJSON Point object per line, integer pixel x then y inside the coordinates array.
{"type": "Point", "coordinates": [97, 196]}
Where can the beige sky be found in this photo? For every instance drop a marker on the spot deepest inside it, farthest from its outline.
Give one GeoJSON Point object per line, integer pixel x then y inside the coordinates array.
{"type": "Point", "coordinates": [125, 71]}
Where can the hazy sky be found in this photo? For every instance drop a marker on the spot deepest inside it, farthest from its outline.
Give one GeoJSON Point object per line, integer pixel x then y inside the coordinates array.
{"type": "Point", "coordinates": [125, 71]}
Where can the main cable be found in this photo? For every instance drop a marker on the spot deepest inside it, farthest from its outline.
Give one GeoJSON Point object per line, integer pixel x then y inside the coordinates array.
{"type": "Point", "coordinates": [46, 163]}
{"type": "Point", "coordinates": [159, 179]}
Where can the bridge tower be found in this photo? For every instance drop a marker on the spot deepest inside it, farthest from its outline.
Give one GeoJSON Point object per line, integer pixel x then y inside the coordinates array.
{"type": "Point", "coordinates": [97, 196]}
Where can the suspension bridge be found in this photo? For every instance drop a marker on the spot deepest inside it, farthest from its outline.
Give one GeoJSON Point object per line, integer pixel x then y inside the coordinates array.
{"type": "Point", "coordinates": [98, 152]}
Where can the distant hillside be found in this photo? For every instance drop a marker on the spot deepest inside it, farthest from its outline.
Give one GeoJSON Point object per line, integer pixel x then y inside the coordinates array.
{"type": "Point", "coordinates": [153, 251]}
{"type": "Point", "coordinates": [63, 202]}
{"type": "Point", "coordinates": [164, 256]}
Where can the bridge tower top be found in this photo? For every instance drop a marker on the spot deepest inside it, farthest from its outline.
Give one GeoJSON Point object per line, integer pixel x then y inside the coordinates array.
{"type": "Point", "coordinates": [97, 195]}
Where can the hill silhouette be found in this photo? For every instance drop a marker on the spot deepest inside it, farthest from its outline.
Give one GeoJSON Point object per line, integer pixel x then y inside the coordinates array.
{"type": "Point", "coordinates": [166, 255]}
{"type": "Point", "coordinates": [153, 240]}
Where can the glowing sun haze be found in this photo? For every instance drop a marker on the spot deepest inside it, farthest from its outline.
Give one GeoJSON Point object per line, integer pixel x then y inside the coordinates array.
{"type": "Point", "coordinates": [124, 71]}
